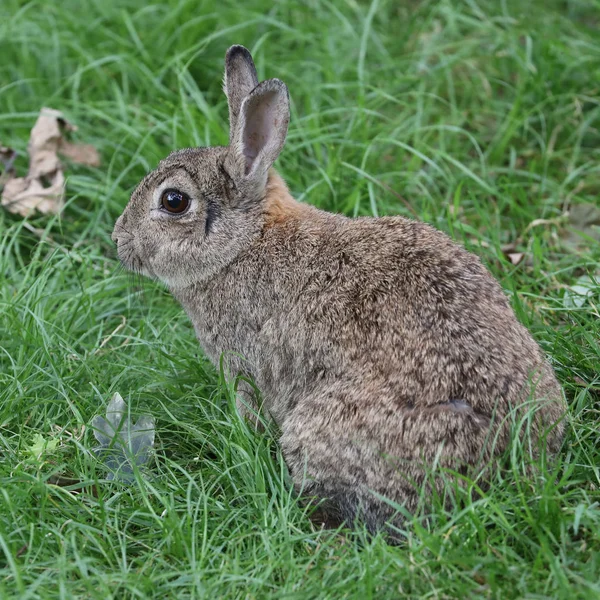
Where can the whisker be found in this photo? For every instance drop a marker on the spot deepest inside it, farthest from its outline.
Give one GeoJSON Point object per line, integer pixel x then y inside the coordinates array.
{"type": "Point", "coordinates": [125, 243]}
{"type": "Point", "coordinates": [121, 228]}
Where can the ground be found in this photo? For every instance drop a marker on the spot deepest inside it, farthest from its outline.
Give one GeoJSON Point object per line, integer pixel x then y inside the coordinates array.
{"type": "Point", "coordinates": [480, 118]}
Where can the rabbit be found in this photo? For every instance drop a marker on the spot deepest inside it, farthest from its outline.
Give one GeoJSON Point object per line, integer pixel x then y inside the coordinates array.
{"type": "Point", "coordinates": [381, 348]}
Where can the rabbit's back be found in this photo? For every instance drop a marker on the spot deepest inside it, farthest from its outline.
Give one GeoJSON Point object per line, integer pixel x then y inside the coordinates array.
{"type": "Point", "coordinates": [395, 349]}
{"type": "Point", "coordinates": [398, 303]}
{"type": "Point", "coordinates": [388, 308]}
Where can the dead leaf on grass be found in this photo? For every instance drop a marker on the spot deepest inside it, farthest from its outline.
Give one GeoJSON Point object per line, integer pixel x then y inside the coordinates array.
{"type": "Point", "coordinates": [515, 257]}
{"type": "Point", "coordinates": [43, 187]}
{"type": "Point", "coordinates": [73, 486]}
{"type": "Point", "coordinates": [582, 291]}
{"type": "Point", "coordinates": [123, 444]}
{"type": "Point", "coordinates": [84, 154]}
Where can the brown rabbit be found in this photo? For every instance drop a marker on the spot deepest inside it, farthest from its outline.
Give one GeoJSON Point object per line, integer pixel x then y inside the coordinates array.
{"type": "Point", "coordinates": [380, 347]}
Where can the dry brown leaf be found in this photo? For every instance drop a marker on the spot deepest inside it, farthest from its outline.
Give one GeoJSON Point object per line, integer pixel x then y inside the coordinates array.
{"type": "Point", "coordinates": [43, 187]}
{"type": "Point", "coordinates": [515, 257]}
{"type": "Point", "coordinates": [84, 154]}
{"type": "Point", "coordinates": [23, 195]}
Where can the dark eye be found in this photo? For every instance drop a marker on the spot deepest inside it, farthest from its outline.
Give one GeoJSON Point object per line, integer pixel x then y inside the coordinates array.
{"type": "Point", "coordinates": [174, 201]}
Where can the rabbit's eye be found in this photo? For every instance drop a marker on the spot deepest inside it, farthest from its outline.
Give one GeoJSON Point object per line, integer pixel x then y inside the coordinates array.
{"type": "Point", "coordinates": [174, 201]}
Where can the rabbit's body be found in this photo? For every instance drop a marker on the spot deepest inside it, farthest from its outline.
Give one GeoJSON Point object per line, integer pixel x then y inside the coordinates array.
{"type": "Point", "coordinates": [379, 345]}
{"type": "Point", "coordinates": [376, 343]}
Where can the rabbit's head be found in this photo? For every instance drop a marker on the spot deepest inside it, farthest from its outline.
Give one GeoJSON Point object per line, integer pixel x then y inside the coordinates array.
{"type": "Point", "coordinates": [202, 206]}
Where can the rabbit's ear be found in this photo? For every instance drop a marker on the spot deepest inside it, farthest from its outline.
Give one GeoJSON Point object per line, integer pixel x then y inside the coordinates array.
{"type": "Point", "coordinates": [240, 80]}
{"type": "Point", "coordinates": [261, 128]}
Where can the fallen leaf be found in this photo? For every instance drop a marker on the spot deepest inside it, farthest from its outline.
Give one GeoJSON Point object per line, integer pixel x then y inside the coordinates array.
{"type": "Point", "coordinates": [84, 154]}
{"type": "Point", "coordinates": [24, 195]}
{"type": "Point", "coordinates": [43, 187]}
{"type": "Point", "coordinates": [583, 226]}
{"type": "Point", "coordinates": [73, 486]}
{"type": "Point", "coordinates": [515, 257]}
{"type": "Point", "coordinates": [123, 444]}
{"type": "Point", "coordinates": [577, 295]}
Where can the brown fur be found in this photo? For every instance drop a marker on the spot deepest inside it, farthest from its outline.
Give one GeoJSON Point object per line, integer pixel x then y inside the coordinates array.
{"type": "Point", "coordinates": [279, 205]}
{"type": "Point", "coordinates": [381, 348]}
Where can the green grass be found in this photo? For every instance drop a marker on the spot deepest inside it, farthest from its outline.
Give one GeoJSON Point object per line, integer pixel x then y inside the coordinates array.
{"type": "Point", "coordinates": [480, 117]}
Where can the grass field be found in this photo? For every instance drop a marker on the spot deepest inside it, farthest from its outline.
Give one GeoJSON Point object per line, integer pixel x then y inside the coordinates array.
{"type": "Point", "coordinates": [478, 116]}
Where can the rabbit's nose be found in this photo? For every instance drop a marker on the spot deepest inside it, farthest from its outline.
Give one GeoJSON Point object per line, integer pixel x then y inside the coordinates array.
{"type": "Point", "coordinates": [115, 234]}
{"type": "Point", "coordinates": [114, 237]}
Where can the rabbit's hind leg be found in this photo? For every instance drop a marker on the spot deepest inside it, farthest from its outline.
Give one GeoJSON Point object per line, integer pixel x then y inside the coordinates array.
{"type": "Point", "coordinates": [340, 505]}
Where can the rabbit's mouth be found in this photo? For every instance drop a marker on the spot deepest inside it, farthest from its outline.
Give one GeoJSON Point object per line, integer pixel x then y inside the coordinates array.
{"type": "Point", "coordinates": [126, 250]}
{"type": "Point", "coordinates": [132, 262]}
{"type": "Point", "coordinates": [128, 257]}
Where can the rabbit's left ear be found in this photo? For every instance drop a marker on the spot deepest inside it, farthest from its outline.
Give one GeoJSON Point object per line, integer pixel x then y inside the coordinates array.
{"type": "Point", "coordinates": [261, 129]}
{"type": "Point", "coordinates": [240, 80]}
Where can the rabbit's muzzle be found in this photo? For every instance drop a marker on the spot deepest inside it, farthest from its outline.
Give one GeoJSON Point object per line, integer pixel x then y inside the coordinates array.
{"type": "Point", "coordinates": [124, 240]}
{"type": "Point", "coordinates": [118, 230]}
